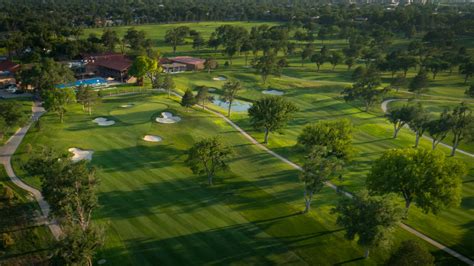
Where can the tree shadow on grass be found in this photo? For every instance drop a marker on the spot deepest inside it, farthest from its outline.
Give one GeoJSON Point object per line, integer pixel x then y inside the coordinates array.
{"type": "Point", "coordinates": [242, 244]}
{"type": "Point", "coordinates": [138, 157]}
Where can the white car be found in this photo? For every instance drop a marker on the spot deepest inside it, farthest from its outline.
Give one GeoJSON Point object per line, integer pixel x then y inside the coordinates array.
{"type": "Point", "coordinates": [11, 89]}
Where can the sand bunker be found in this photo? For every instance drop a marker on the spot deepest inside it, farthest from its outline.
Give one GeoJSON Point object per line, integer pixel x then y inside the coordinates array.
{"type": "Point", "coordinates": [211, 89]}
{"type": "Point", "coordinates": [126, 105]}
{"type": "Point", "coordinates": [152, 138]}
{"type": "Point", "coordinates": [80, 155]}
{"type": "Point", "coordinates": [220, 78]}
{"type": "Point", "coordinates": [101, 121]}
{"type": "Point", "coordinates": [238, 106]}
{"type": "Point", "coordinates": [102, 261]}
{"type": "Point", "coordinates": [273, 92]}
{"type": "Point", "coordinates": [168, 118]}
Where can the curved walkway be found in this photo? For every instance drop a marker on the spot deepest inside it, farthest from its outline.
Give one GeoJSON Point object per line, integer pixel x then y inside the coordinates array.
{"type": "Point", "coordinates": [6, 152]}
{"type": "Point", "coordinates": [384, 107]}
{"type": "Point", "coordinates": [331, 185]}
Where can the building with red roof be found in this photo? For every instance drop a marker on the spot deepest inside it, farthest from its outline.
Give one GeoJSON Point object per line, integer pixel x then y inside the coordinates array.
{"type": "Point", "coordinates": [108, 65]}
{"type": "Point", "coordinates": [191, 63]}
{"type": "Point", "coordinates": [7, 66]}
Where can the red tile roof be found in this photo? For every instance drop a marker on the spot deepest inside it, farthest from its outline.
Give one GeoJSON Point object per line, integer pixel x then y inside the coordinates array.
{"type": "Point", "coordinates": [119, 64]}
{"type": "Point", "coordinates": [8, 65]}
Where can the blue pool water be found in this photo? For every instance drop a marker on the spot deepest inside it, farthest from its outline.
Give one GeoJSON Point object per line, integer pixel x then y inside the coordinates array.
{"type": "Point", "coordinates": [96, 81]}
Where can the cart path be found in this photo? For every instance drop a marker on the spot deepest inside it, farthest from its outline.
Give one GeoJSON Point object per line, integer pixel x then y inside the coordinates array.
{"type": "Point", "coordinates": [384, 107]}
{"type": "Point", "coordinates": [6, 153]}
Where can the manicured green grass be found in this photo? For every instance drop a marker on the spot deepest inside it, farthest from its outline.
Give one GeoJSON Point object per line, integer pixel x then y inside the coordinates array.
{"type": "Point", "coordinates": [373, 135]}
{"type": "Point", "coordinates": [32, 242]}
{"type": "Point", "coordinates": [155, 210]}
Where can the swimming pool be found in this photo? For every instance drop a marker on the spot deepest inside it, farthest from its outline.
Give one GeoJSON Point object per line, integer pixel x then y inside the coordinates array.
{"type": "Point", "coordinates": [95, 81]}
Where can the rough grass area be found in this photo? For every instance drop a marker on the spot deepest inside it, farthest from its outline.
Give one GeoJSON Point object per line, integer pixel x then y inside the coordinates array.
{"type": "Point", "coordinates": [32, 242]}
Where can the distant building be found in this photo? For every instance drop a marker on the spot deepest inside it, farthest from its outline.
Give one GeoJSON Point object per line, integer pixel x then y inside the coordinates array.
{"type": "Point", "coordinates": [7, 72]}
{"type": "Point", "coordinates": [191, 63]}
{"type": "Point", "coordinates": [107, 65]}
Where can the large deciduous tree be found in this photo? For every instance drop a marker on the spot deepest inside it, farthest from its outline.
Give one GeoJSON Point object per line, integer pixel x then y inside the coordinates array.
{"type": "Point", "coordinates": [229, 91]}
{"type": "Point", "coordinates": [426, 178]}
{"type": "Point", "coordinates": [46, 75]}
{"type": "Point", "coordinates": [401, 116]}
{"type": "Point", "coordinates": [420, 122]}
{"type": "Point", "coordinates": [11, 115]}
{"type": "Point", "coordinates": [208, 156]}
{"type": "Point", "coordinates": [369, 218]}
{"type": "Point", "coordinates": [56, 100]}
{"type": "Point", "coordinates": [334, 135]}
{"type": "Point", "coordinates": [70, 188]}
{"type": "Point", "coordinates": [419, 83]}
{"type": "Point", "coordinates": [267, 65]}
{"type": "Point", "coordinates": [270, 114]}
{"type": "Point", "coordinates": [365, 89]}
{"type": "Point", "coordinates": [317, 170]}
{"type": "Point", "coordinates": [461, 122]}
{"type": "Point", "coordinates": [87, 98]}
{"type": "Point", "coordinates": [438, 129]}
{"type": "Point", "coordinates": [176, 36]}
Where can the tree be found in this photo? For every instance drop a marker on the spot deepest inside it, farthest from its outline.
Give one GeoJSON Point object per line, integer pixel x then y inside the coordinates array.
{"type": "Point", "coordinates": [350, 61]}
{"type": "Point", "coordinates": [401, 116]}
{"type": "Point", "coordinates": [319, 59]}
{"type": "Point", "coordinates": [135, 39]}
{"type": "Point", "coordinates": [110, 39]}
{"type": "Point", "coordinates": [410, 253]}
{"type": "Point", "coordinates": [87, 97]}
{"type": "Point", "coordinates": [419, 123]}
{"type": "Point", "coordinates": [470, 91]}
{"type": "Point", "coordinates": [467, 69]}
{"type": "Point", "coordinates": [336, 58]}
{"type": "Point", "coordinates": [229, 92]}
{"type": "Point", "coordinates": [203, 96]}
{"type": "Point", "coordinates": [11, 115]}
{"type": "Point", "coordinates": [439, 128]}
{"type": "Point", "coordinates": [317, 170]}
{"type": "Point", "coordinates": [70, 188]}
{"type": "Point", "coordinates": [208, 156]}
{"type": "Point", "coordinates": [176, 36]}
{"type": "Point", "coordinates": [198, 42]}
{"type": "Point", "coordinates": [144, 66]}
{"type": "Point", "coordinates": [46, 75]}
{"type": "Point", "coordinates": [460, 121]}
{"type": "Point", "coordinates": [365, 89]}
{"type": "Point", "coordinates": [334, 135]}
{"type": "Point", "coordinates": [424, 177]}
{"type": "Point", "coordinates": [56, 100]}
{"type": "Point", "coordinates": [267, 65]}
{"type": "Point", "coordinates": [399, 82]}
{"type": "Point", "coordinates": [188, 99]}
{"type": "Point", "coordinates": [436, 65]}
{"type": "Point", "coordinates": [307, 52]}
{"type": "Point", "coordinates": [371, 218]}
{"type": "Point", "coordinates": [168, 84]}
{"type": "Point", "coordinates": [419, 83]}
{"type": "Point", "coordinates": [210, 64]}
{"type": "Point", "coordinates": [271, 113]}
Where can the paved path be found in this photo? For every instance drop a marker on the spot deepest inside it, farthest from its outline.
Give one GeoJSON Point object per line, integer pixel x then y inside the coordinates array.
{"type": "Point", "coordinates": [6, 152]}
{"type": "Point", "coordinates": [384, 107]}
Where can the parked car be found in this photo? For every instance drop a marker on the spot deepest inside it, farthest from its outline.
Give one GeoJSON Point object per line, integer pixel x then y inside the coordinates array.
{"type": "Point", "coordinates": [12, 88]}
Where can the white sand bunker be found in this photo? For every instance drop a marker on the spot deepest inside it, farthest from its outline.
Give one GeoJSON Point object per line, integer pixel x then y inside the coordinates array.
{"type": "Point", "coordinates": [221, 78]}
{"type": "Point", "coordinates": [101, 121]}
{"type": "Point", "coordinates": [168, 118]}
{"type": "Point", "coordinates": [79, 155]}
{"type": "Point", "coordinates": [273, 92]}
{"type": "Point", "coordinates": [126, 105]}
{"type": "Point", "coordinates": [152, 138]}
{"type": "Point", "coordinates": [211, 89]}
